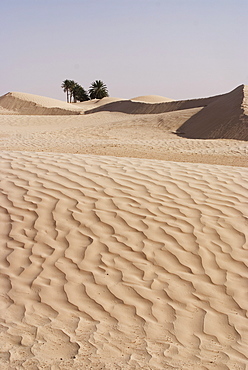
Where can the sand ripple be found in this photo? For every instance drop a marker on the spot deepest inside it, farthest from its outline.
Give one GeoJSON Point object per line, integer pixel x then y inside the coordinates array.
{"type": "Point", "coordinates": [117, 263]}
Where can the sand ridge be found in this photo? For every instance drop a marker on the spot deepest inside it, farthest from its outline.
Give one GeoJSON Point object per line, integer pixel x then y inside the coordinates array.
{"type": "Point", "coordinates": [122, 263]}
{"type": "Point", "coordinates": [30, 104]}
{"type": "Point", "coordinates": [141, 107]}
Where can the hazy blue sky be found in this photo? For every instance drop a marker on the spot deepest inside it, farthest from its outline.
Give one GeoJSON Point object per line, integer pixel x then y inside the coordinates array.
{"type": "Point", "coordinates": [175, 48]}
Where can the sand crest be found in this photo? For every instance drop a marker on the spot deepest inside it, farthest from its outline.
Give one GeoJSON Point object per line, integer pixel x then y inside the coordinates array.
{"type": "Point", "coordinates": [122, 263]}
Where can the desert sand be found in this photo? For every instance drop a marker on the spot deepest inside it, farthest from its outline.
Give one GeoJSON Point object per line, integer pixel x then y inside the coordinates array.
{"type": "Point", "coordinates": [124, 233]}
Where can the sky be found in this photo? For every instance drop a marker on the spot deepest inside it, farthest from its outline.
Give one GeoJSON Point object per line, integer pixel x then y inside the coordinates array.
{"type": "Point", "coordinates": [179, 49]}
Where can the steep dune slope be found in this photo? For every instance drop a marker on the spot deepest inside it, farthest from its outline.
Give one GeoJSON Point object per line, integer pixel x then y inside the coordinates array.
{"type": "Point", "coordinates": [224, 118]}
{"type": "Point", "coordinates": [30, 104]}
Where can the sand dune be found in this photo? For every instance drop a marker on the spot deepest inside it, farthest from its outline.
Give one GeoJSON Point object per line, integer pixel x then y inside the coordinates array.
{"type": "Point", "coordinates": [221, 117]}
{"type": "Point", "coordinates": [225, 118]}
{"type": "Point", "coordinates": [122, 263]}
{"type": "Point", "coordinates": [217, 117]}
{"type": "Point", "coordinates": [22, 103]}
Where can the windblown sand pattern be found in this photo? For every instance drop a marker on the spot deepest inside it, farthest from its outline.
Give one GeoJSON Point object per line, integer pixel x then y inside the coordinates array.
{"type": "Point", "coordinates": [122, 263]}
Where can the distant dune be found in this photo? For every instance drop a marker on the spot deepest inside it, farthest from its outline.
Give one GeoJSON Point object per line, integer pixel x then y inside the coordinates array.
{"type": "Point", "coordinates": [94, 103]}
{"type": "Point", "coordinates": [29, 104]}
{"type": "Point", "coordinates": [151, 99]}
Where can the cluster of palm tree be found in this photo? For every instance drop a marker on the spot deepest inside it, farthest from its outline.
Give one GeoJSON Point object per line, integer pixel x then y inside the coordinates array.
{"type": "Point", "coordinates": [75, 92]}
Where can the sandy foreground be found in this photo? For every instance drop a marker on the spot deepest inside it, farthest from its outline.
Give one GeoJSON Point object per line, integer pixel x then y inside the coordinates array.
{"type": "Point", "coordinates": [123, 245]}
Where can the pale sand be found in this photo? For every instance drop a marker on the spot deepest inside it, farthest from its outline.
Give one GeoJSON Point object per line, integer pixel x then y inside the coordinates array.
{"type": "Point", "coordinates": [152, 99]}
{"type": "Point", "coordinates": [110, 262]}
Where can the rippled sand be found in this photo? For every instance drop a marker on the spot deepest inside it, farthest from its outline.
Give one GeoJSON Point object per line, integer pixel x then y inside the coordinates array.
{"type": "Point", "coordinates": [123, 263]}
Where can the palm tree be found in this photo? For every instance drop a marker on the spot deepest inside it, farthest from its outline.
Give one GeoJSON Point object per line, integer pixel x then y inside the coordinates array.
{"type": "Point", "coordinates": [79, 93]}
{"type": "Point", "coordinates": [72, 85]}
{"type": "Point", "coordinates": [98, 90]}
{"type": "Point", "coordinates": [66, 87]}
